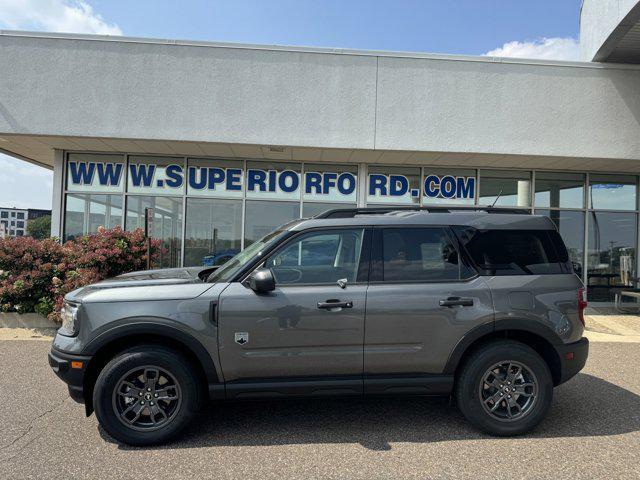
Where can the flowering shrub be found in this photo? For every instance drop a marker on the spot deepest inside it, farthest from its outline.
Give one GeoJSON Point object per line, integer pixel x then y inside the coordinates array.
{"type": "Point", "coordinates": [35, 275]}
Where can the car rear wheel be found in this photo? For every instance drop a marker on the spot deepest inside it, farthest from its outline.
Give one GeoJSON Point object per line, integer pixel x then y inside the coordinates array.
{"type": "Point", "coordinates": [504, 388]}
{"type": "Point", "coordinates": [146, 395]}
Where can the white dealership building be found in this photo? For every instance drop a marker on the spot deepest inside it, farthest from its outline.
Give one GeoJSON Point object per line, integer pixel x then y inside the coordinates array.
{"type": "Point", "coordinates": [226, 141]}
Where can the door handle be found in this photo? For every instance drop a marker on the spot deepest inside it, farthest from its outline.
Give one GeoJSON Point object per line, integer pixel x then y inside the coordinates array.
{"type": "Point", "coordinates": [330, 304]}
{"type": "Point", "coordinates": [457, 302]}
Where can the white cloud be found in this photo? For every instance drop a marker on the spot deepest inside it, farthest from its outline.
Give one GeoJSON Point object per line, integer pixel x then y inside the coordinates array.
{"type": "Point", "coordinates": [24, 185]}
{"type": "Point", "coordinates": [71, 16]}
{"type": "Point", "coordinates": [543, 48]}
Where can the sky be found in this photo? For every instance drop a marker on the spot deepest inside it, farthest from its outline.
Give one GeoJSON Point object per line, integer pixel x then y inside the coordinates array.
{"type": "Point", "coordinates": [511, 28]}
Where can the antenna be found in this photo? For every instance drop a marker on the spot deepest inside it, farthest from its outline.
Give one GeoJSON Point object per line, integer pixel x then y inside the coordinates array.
{"type": "Point", "coordinates": [497, 198]}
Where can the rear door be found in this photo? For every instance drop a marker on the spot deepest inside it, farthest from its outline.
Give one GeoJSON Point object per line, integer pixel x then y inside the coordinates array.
{"type": "Point", "coordinates": [421, 300]}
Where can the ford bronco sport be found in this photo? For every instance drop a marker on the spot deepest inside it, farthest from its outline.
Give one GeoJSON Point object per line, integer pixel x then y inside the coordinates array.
{"type": "Point", "coordinates": [480, 305]}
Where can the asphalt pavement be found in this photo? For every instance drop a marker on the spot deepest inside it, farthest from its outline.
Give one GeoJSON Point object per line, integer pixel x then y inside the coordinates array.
{"type": "Point", "coordinates": [593, 431]}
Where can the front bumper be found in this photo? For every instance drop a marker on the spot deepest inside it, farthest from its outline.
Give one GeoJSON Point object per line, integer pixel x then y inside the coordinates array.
{"type": "Point", "coordinates": [573, 357]}
{"type": "Point", "coordinates": [71, 369]}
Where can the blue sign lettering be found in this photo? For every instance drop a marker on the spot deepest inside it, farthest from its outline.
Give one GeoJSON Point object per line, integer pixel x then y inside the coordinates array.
{"type": "Point", "coordinates": [346, 183]}
{"type": "Point", "coordinates": [174, 176]}
{"type": "Point", "coordinates": [377, 184]}
{"type": "Point", "coordinates": [234, 179]}
{"type": "Point", "coordinates": [141, 175]}
{"type": "Point", "coordinates": [449, 186]}
{"type": "Point", "coordinates": [82, 173]}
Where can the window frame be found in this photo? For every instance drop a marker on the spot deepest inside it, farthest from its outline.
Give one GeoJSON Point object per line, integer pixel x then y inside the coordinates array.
{"type": "Point", "coordinates": [362, 273]}
{"type": "Point", "coordinates": [376, 269]}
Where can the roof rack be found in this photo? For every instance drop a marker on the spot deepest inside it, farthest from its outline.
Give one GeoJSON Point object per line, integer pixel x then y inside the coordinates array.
{"type": "Point", "coordinates": [352, 212]}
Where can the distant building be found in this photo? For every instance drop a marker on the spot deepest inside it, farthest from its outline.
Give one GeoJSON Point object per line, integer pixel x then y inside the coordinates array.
{"type": "Point", "coordinates": [34, 213]}
{"type": "Point", "coordinates": [13, 221]}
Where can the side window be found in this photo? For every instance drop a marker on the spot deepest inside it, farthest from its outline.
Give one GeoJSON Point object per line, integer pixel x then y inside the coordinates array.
{"type": "Point", "coordinates": [515, 252]}
{"type": "Point", "coordinates": [318, 258]}
{"type": "Point", "coordinates": [418, 255]}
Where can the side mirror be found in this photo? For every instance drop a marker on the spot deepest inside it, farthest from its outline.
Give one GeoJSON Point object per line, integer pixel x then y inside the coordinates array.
{"type": "Point", "coordinates": [262, 281]}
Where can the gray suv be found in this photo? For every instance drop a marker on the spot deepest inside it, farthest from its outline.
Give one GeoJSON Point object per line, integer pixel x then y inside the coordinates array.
{"type": "Point", "coordinates": [480, 305]}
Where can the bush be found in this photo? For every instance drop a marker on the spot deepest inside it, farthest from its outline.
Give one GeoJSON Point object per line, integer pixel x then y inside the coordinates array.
{"type": "Point", "coordinates": [35, 275]}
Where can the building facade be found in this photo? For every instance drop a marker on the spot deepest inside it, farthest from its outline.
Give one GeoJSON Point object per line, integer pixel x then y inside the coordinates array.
{"type": "Point", "coordinates": [226, 142]}
{"type": "Point", "coordinates": [14, 221]}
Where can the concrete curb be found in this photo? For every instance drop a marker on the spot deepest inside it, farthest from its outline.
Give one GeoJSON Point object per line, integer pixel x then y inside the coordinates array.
{"type": "Point", "coordinates": [25, 320]}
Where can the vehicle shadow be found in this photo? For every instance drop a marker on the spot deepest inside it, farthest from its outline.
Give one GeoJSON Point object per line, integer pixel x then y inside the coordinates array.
{"type": "Point", "coordinates": [585, 406]}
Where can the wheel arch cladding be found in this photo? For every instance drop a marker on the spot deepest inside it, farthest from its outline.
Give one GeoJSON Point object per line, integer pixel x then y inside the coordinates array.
{"type": "Point", "coordinates": [110, 344]}
{"type": "Point", "coordinates": [536, 337]}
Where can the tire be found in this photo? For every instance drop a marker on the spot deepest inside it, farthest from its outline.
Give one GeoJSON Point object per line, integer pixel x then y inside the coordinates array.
{"type": "Point", "coordinates": [481, 388]}
{"type": "Point", "coordinates": [122, 387]}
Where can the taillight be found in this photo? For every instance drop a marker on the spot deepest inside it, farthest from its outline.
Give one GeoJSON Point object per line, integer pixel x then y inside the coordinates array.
{"type": "Point", "coordinates": [582, 303]}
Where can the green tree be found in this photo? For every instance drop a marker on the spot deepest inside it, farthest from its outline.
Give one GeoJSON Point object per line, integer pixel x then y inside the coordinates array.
{"type": "Point", "coordinates": [39, 227]}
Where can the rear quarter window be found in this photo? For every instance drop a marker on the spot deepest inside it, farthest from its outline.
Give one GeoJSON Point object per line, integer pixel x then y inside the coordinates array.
{"type": "Point", "coordinates": [515, 252]}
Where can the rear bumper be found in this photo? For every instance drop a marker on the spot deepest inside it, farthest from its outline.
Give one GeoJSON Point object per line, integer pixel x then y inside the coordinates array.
{"type": "Point", "coordinates": [573, 357]}
{"type": "Point", "coordinates": [71, 369]}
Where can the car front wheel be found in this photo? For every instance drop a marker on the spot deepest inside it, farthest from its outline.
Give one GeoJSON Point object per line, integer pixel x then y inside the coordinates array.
{"type": "Point", "coordinates": [146, 395]}
{"type": "Point", "coordinates": [504, 388]}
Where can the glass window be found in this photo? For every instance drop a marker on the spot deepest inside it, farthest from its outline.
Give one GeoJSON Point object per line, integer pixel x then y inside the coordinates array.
{"type": "Point", "coordinates": [612, 252]}
{"type": "Point", "coordinates": [418, 255]}
{"type": "Point", "coordinates": [311, 209]}
{"type": "Point", "coordinates": [318, 258]}
{"type": "Point", "coordinates": [20, 215]}
{"type": "Point", "coordinates": [20, 224]}
{"type": "Point", "coordinates": [167, 224]}
{"type": "Point", "coordinates": [13, 214]}
{"type": "Point", "coordinates": [156, 175]}
{"type": "Point", "coordinates": [4, 214]}
{"type": "Point", "coordinates": [559, 190]}
{"type": "Point", "coordinates": [570, 224]}
{"type": "Point", "coordinates": [447, 186]}
{"type": "Point", "coordinates": [84, 213]}
{"type": "Point", "coordinates": [330, 183]}
{"type": "Point", "coordinates": [393, 185]}
{"type": "Point", "coordinates": [612, 192]}
{"type": "Point", "coordinates": [261, 218]}
{"type": "Point", "coordinates": [227, 271]}
{"type": "Point", "coordinates": [213, 231]}
{"type": "Point", "coordinates": [19, 233]}
{"type": "Point", "coordinates": [505, 188]}
{"type": "Point", "coordinates": [515, 252]}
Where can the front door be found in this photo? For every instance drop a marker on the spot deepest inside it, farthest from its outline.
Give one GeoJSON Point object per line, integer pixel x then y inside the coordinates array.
{"type": "Point", "coordinates": [310, 328]}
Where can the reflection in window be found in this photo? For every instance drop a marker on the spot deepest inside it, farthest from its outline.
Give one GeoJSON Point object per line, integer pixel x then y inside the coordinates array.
{"type": "Point", "coordinates": [612, 192]}
{"type": "Point", "coordinates": [322, 257]}
{"type": "Point", "coordinates": [418, 255]}
{"type": "Point", "coordinates": [559, 190]}
{"type": "Point", "coordinates": [167, 224]}
{"type": "Point", "coordinates": [505, 188]}
{"type": "Point", "coordinates": [213, 231]}
{"type": "Point", "coordinates": [263, 217]}
{"type": "Point", "coordinates": [611, 255]}
{"type": "Point", "coordinates": [84, 213]}
{"type": "Point", "coordinates": [571, 227]}
{"type": "Point", "coordinates": [515, 252]}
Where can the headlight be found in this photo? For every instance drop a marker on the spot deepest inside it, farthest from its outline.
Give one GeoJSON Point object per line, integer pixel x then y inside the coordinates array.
{"type": "Point", "coordinates": [69, 314]}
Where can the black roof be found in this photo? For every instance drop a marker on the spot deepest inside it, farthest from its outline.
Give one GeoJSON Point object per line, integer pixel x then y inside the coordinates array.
{"type": "Point", "coordinates": [478, 217]}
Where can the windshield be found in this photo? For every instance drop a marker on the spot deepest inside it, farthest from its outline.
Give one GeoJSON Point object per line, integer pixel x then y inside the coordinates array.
{"type": "Point", "coordinates": [235, 264]}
